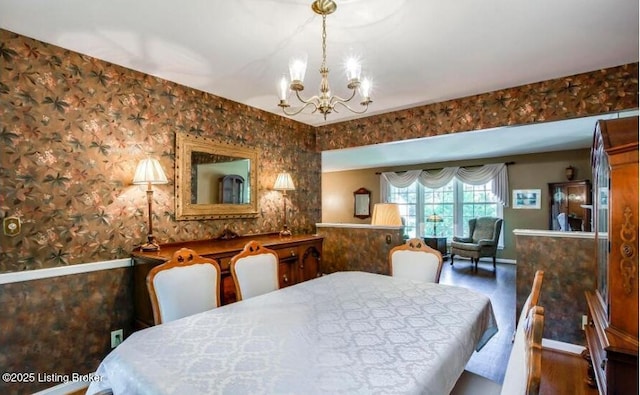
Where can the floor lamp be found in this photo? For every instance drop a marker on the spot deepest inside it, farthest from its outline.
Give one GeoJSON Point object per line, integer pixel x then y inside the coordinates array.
{"type": "Point", "coordinates": [149, 172]}
{"type": "Point", "coordinates": [284, 183]}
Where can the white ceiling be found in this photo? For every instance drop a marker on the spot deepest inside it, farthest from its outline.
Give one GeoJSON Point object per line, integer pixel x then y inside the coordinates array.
{"type": "Point", "coordinates": [417, 51]}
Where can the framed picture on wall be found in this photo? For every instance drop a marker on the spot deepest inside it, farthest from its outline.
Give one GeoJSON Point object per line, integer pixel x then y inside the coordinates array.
{"type": "Point", "coordinates": [526, 198]}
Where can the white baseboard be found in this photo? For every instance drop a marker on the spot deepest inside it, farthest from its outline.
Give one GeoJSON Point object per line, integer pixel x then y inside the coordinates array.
{"type": "Point", "coordinates": [490, 260]}
{"type": "Point", "coordinates": [562, 346]}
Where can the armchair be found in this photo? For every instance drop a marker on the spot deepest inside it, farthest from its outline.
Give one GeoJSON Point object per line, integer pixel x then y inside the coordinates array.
{"type": "Point", "coordinates": [482, 241]}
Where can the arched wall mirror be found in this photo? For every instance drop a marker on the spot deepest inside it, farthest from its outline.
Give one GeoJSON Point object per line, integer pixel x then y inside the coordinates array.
{"type": "Point", "coordinates": [215, 180]}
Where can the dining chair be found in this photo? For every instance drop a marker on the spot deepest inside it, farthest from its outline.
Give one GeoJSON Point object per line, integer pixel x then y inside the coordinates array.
{"type": "Point", "coordinates": [533, 298]}
{"type": "Point", "coordinates": [415, 260]}
{"type": "Point", "coordinates": [255, 271]}
{"type": "Point", "coordinates": [524, 367]}
{"type": "Point", "coordinates": [185, 285]}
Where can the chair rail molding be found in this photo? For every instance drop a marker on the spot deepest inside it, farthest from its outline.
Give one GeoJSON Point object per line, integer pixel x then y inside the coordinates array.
{"type": "Point", "coordinates": [554, 233]}
{"type": "Point", "coordinates": [28, 275]}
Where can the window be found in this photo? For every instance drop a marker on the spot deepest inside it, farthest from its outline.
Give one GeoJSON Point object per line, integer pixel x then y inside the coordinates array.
{"type": "Point", "coordinates": [455, 204]}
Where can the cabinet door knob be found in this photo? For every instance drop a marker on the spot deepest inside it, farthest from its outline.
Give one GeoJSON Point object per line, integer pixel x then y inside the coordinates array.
{"type": "Point", "coordinates": [285, 279]}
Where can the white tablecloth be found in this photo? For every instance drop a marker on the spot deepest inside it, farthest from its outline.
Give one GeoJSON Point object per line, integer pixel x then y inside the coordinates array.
{"type": "Point", "coordinates": [344, 333]}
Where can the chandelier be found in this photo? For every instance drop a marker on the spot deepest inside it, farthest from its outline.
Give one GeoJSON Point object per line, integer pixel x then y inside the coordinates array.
{"type": "Point", "coordinates": [324, 102]}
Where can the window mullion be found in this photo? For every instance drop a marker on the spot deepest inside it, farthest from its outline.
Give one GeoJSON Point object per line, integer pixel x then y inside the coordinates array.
{"type": "Point", "coordinates": [457, 203]}
{"type": "Point", "coordinates": [420, 211]}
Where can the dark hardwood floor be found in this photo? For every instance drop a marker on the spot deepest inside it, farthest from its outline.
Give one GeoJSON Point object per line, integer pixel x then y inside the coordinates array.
{"type": "Point", "coordinates": [500, 287]}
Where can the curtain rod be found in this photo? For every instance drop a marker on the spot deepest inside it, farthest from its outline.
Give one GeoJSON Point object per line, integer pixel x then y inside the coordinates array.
{"type": "Point", "coordinates": [438, 168]}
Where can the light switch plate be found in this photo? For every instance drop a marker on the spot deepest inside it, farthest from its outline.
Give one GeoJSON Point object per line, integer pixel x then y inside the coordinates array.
{"type": "Point", "coordinates": [11, 226]}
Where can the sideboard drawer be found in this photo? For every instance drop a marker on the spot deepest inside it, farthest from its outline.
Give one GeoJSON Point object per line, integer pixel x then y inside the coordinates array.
{"type": "Point", "coordinates": [287, 253]}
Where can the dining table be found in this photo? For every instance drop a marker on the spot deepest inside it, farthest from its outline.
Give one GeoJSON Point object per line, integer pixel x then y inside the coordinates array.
{"type": "Point", "coordinates": [342, 333]}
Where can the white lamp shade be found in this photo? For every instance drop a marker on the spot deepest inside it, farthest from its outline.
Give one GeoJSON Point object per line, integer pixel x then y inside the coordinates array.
{"type": "Point", "coordinates": [283, 88]}
{"type": "Point", "coordinates": [298, 68]}
{"type": "Point", "coordinates": [284, 182]}
{"type": "Point", "coordinates": [149, 171]}
{"type": "Point", "coordinates": [386, 214]}
{"type": "Point", "coordinates": [353, 69]}
{"type": "Point", "coordinates": [365, 88]}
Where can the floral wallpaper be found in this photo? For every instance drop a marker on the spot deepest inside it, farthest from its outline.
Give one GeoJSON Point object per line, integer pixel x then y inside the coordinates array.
{"type": "Point", "coordinates": [73, 130]}
{"type": "Point", "coordinates": [564, 285]}
{"type": "Point", "coordinates": [353, 248]}
{"type": "Point", "coordinates": [579, 95]}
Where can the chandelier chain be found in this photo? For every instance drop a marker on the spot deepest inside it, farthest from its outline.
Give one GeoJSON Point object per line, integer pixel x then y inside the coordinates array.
{"type": "Point", "coordinates": [324, 41]}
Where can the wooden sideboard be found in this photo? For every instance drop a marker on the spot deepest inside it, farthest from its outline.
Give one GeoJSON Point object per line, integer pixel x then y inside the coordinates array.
{"type": "Point", "coordinates": [299, 255]}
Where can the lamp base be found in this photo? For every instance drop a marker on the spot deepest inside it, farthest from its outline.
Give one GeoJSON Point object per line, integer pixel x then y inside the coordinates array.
{"type": "Point", "coordinates": [150, 245]}
{"type": "Point", "coordinates": [285, 232]}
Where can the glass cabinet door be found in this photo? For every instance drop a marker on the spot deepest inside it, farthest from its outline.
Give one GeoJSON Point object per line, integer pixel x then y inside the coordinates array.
{"type": "Point", "coordinates": [601, 213]}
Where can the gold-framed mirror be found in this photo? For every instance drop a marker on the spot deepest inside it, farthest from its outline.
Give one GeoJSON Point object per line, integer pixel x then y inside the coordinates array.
{"type": "Point", "coordinates": [214, 180]}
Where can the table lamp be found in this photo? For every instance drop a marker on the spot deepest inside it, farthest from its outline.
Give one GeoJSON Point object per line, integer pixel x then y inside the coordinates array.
{"type": "Point", "coordinates": [435, 218]}
{"type": "Point", "coordinates": [386, 214]}
{"type": "Point", "coordinates": [149, 172]}
{"type": "Point", "coordinates": [284, 183]}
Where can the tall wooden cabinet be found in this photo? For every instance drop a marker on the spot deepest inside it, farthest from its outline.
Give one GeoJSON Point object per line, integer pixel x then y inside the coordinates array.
{"type": "Point", "coordinates": [569, 206]}
{"type": "Point", "coordinates": [612, 332]}
{"type": "Point", "coordinates": [299, 260]}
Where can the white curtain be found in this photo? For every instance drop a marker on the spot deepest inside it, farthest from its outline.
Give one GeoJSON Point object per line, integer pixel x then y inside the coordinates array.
{"type": "Point", "coordinates": [438, 178]}
{"type": "Point", "coordinates": [401, 180]}
{"type": "Point", "coordinates": [435, 179]}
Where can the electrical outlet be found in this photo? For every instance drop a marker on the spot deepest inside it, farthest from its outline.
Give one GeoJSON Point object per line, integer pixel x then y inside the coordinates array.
{"type": "Point", "coordinates": [584, 322]}
{"type": "Point", "coordinates": [116, 338]}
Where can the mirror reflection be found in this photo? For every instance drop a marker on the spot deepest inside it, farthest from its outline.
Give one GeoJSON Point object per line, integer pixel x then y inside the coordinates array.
{"type": "Point", "coordinates": [219, 179]}
{"type": "Point", "coordinates": [214, 180]}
